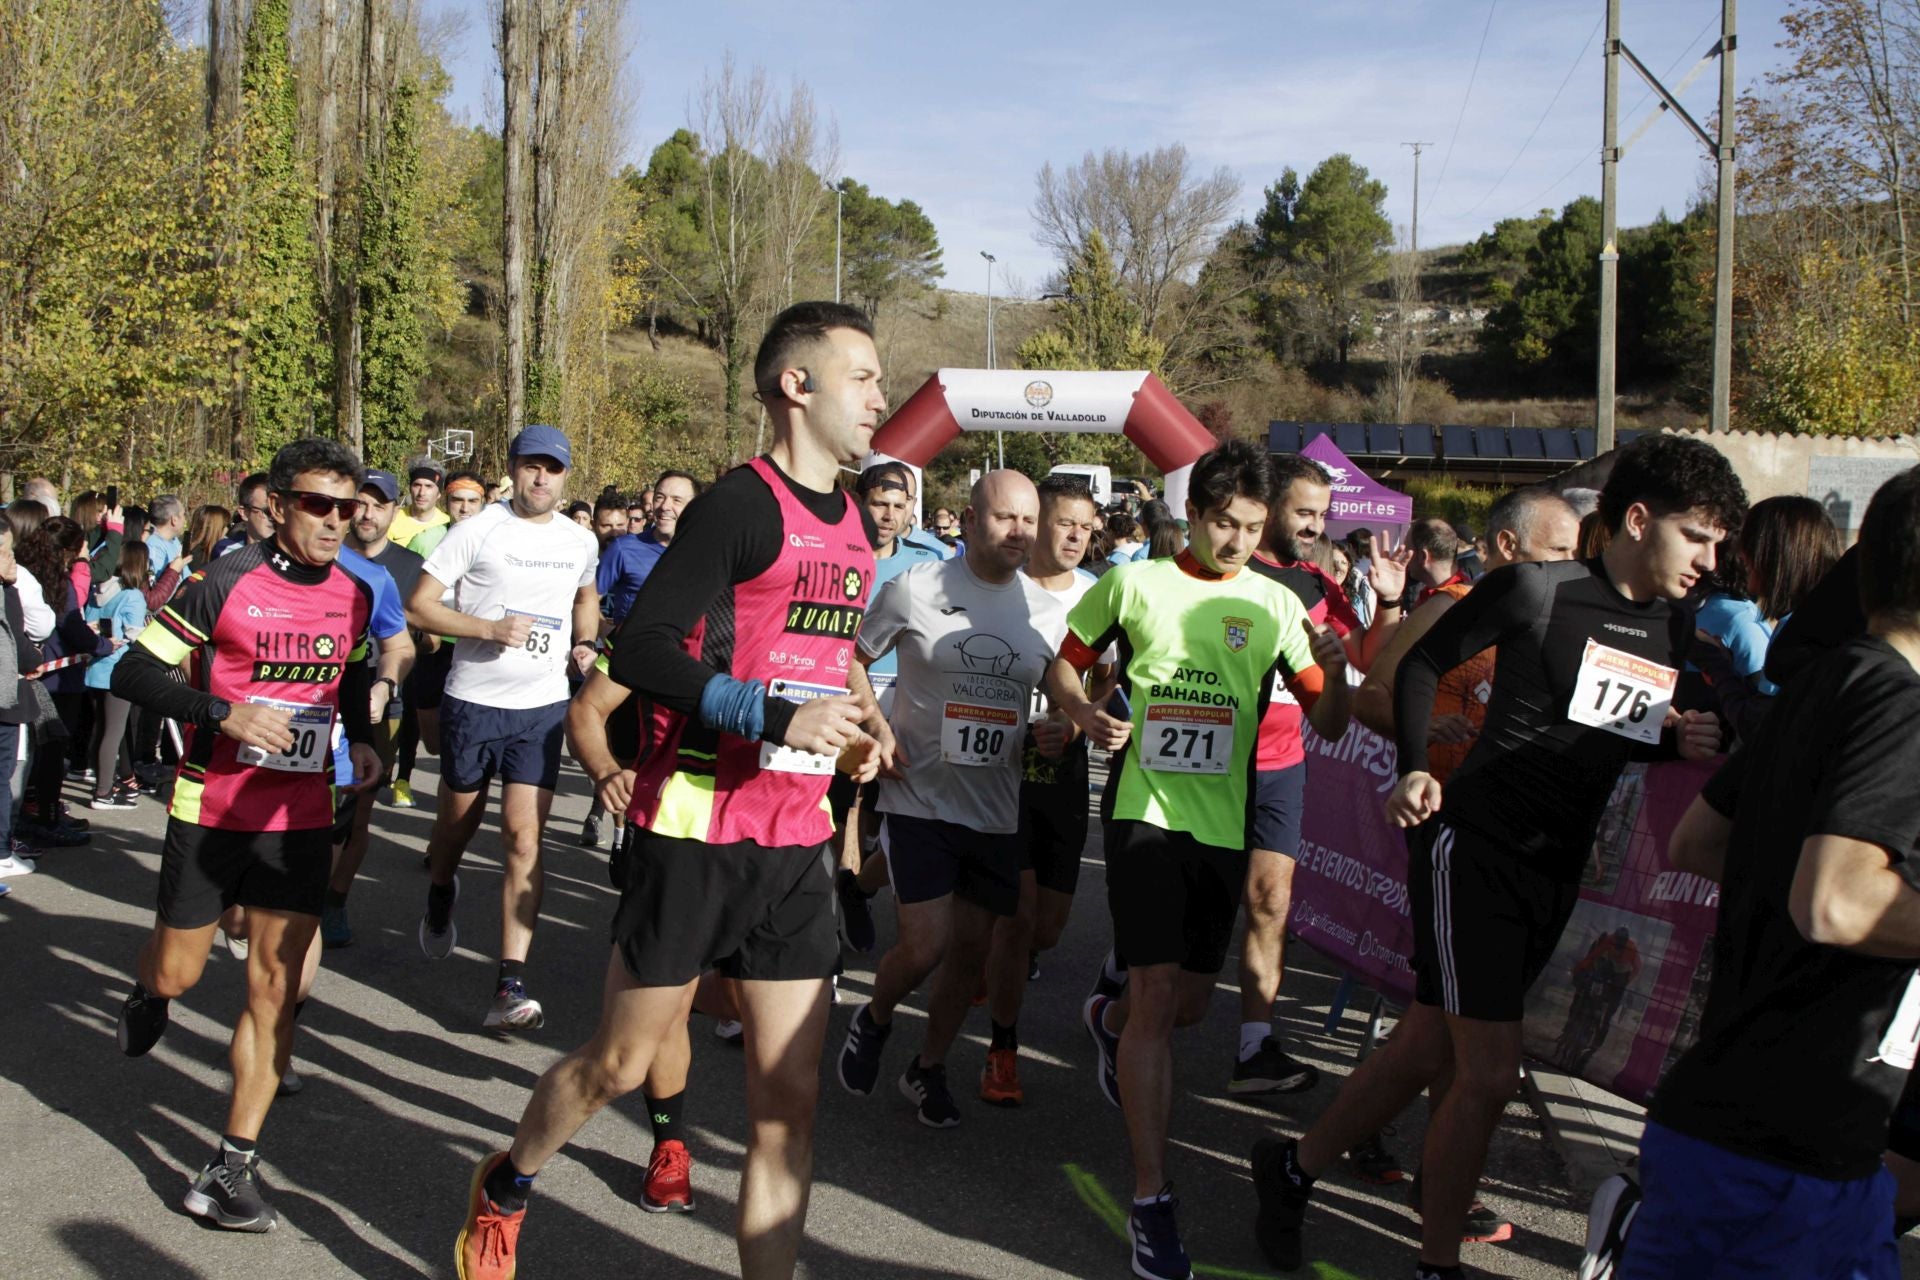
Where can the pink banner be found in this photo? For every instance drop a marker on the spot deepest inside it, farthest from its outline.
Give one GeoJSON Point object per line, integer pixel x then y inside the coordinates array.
{"type": "Point", "coordinates": [1623, 992]}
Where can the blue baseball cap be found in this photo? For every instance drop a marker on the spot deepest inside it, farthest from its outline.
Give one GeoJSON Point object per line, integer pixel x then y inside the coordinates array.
{"type": "Point", "coordinates": [382, 483]}
{"type": "Point", "coordinates": [543, 442]}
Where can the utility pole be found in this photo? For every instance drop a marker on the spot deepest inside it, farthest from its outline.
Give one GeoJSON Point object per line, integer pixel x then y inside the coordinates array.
{"type": "Point", "coordinates": [1609, 235]}
{"type": "Point", "coordinates": [839, 201]}
{"type": "Point", "coordinates": [1723, 257]}
{"type": "Point", "coordinates": [1418, 147]}
{"type": "Point", "coordinates": [1000, 438]}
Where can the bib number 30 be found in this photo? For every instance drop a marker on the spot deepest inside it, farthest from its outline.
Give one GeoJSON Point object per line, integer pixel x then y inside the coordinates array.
{"type": "Point", "coordinates": [312, 740]}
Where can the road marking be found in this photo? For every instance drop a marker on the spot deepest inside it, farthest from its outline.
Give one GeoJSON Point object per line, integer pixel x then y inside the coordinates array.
{"type": "Point", "coordinates": [1108, 1210]}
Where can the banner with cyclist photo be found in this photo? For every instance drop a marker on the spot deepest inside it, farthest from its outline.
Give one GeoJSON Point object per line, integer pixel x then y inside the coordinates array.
{"type": "Point", "coordinates": [1623, 992]}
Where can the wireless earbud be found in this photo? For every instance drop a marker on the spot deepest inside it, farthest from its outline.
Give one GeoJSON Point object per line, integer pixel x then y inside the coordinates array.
{"type": "Point", "coordinates": [806, 380]}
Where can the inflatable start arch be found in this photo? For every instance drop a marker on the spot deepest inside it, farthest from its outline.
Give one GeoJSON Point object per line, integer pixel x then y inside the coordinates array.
{"type": "Point", "coordinates": [1136, 405]}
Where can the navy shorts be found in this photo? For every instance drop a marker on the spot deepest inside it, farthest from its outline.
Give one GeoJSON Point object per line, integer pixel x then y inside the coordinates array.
{"type": "Point", "coordinates": [928, 859]}
{"type": "Point", "coordinates": [1707, 1212]}
{"type": "Point", "coordinates": [514, 745]}
{"type": "Point", "coordinates": [1279, 802]}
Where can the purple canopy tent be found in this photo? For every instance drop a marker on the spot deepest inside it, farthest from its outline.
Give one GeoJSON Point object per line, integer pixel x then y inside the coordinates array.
{"type": "Point", "coordinates": [1359, 501]}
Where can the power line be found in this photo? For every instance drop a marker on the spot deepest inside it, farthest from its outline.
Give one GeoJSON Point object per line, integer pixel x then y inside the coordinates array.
{"type": "Point", "coordinates": [1538, 124]}
{"type": "Point", "coordinates": [1465, 98]}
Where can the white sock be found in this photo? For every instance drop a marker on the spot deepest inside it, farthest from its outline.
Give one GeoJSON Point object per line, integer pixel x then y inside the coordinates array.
{"type": "Point", "coordinates": [1251, 1036]}
{"type": "Point", "coordinates": [1113, 970]}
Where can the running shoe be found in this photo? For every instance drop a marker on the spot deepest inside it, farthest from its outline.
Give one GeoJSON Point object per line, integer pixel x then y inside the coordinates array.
{"type": "Point", "coordinates": [1283, 1205]}
{"type": "Point", "coordinates": [859, 1063]}
{"type": "Point", "coordinates": [926, 1088]}
{"type": "Point", "coordinates": [60, 835]}
{"type": "Point", "coordinates": [1483, 1225]}
{"type": "Point", "coordinates": [15, 864]}
{"type": "Point", "coordinates": [1155, 1237]}
{"type": "Point", "coordinates": [485, 1247]}
{"type": "Point", "coordinates": [143, 1020]}
{"type": "Point", "coordinates": [335, 929]}
{"type": "Point", "coordinates": [730, 1030]}
{"type": "Point", "coordinates": [79, 775]}
{"type": "Point", "coordinates": [513, 1009]}
{"type": "Point", "coordinates": [1000, 1080]}
{"type": "Point", "coordinates": [5, 889]}
{"type": "Point", "coordinates": [669, 1184]}
{"type": "Point", "coordinates": [1373, 1163]}
{"type": "Point", "coordinates": [236, 947]}
{"type": "Point", "coordinates": [1111, 988]}
{"type": "Point", "coordinates": [590, 832]}
{"type": "Point", "coordinates": [400, 796]}
{"type": "Point", "coordinates": [1615, 1202]}
{"type": "Point", "coordinates": [115, 800]}
{"type": "Point", "coordinates": [68, 820]}
{"type": "Point", "coordinates": [1033, 966]}
{"type": "Point", "coordinates": [856, 912]}
{"type": "Point", "coordinates": [290, 1084]}
{"type": "Point", "coordinates": [1271, 1071]}
{"type": "Point", "coordinates": [227, 1194]}
{"type": "Point", "coordinates": [141, 785]}
{"type": "Point", "coordinates": [1093, 1014]}
{"type": "Point", "coordinates": [438, 933]}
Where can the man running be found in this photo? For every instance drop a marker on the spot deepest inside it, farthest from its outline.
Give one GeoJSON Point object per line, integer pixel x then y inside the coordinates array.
{"type": "Point", "coordinates": [973, 636]}
{"type": "Point", "coordinates": [743, 645]}
{"type": "Point", "coordinates": [1762, 1152]}
{"type": "Point", "coordinates": [609, 521]}
{"type": "Point", "coordinates": [427, 683]}
{"type": "Point", "coordinates": [1203, 640]}
{"type": "Point", "coordinates": [1054, 787]}
{"type": "Point", "coordinates": [1589, 654]}
{"type": "Point", "coordinates": [525, 606]}
{"type": "Point", "coordinates": [424, 479]}
{"type": "Point", "coordinates": [280, 629]}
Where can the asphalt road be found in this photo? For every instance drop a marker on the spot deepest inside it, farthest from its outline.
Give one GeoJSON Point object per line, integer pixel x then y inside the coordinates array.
{"type": "Point", "coordinates": [368, 1166]}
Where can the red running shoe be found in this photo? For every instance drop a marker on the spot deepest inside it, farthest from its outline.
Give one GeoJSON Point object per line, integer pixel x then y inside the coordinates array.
{"type": "Point", "coordinates": [1000, 1081]}
{"type": "Point", "coordinates": [669, 1185]}
{"type": "Point", "coordinates": [488, 1237]}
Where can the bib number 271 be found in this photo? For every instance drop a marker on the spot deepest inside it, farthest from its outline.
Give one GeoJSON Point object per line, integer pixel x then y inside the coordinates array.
{"type": "Point", "coordinates": [1183, 739]}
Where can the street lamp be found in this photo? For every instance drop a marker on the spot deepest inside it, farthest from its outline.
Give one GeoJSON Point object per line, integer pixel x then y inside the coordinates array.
{"type": "Point", "coordinates": [1000, 439]}
{"type": "Point", "coordinates": [839, 202]}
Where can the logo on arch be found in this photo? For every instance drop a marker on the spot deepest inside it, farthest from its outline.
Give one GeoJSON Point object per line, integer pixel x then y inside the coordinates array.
{"type": "Point", "coordinates": [1039, 393]}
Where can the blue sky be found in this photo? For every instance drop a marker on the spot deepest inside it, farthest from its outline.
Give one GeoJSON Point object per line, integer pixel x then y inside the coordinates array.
{"type": "Point", "coordinates": [958, 107]}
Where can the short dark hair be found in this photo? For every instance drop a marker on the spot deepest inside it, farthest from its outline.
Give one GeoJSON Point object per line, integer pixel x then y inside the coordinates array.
{"type": "Point", "coordinates": [1890, 548]}
{"type": "Point", "coordinates": [1064, 486]}
{"type": "Point", "coordinates": [1515, 509]}
{"type": "Point", "coordinates": [1788, 544]}
{"type": "Point", "coordinates": [678, 475]}
{"type": "Point", "coordinates": [313, 454]}
{"type": "Point", "coordinates": [800, 325]}
{"type": "Point", "coordinates": [578, 507]}
{"type": "Point", "coordinates": [1671, 474]}
{"type": "Point", "coordinates": [883, 475]}
{"type": "Point", "coordinates": [1288, 467]}
{"type": "Point", "coordinates": [1435, 537]}
{"type": "Point", "coordinates": [474, 476]}
{"type": "Point", "coordinates": [610, 499]}
{"type": "Point", "coordinates": [1233, 469]}
{"type": "Point", "coordinates": [253, 480]}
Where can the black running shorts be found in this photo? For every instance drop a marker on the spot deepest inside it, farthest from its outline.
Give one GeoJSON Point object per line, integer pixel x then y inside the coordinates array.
{"type": "Point", "coordinates": [1173, 899]}
{"type": "Point", "coordinates": [427, 682]}
{"type": "Point", "coordinates": [928, 859]}
{"type": "Point", "coordinates": [1485, 923]}
{"type": "Point", "coordinates": [1053, 832]}
{"type": "Point", "coordinates": [205, 870]}
{"type": "Point", "coordinates": [752, 912]}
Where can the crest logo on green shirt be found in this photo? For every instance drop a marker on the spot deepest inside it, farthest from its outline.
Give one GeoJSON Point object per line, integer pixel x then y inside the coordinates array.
{"type": "Point", "coordinates": [1238, 632]}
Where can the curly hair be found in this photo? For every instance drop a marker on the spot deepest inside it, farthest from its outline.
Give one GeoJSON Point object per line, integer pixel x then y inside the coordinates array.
{"type": "Point", "coordinates": [48, 552]}
{"type": "Point", "coordinates": [1234, 469]}
{"type": "Point", "coordinates": [1671, 474]}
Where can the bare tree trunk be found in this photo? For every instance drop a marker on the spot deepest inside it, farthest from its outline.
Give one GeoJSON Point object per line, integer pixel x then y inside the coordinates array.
{"type": "Point", "coordinates": [517, 97]}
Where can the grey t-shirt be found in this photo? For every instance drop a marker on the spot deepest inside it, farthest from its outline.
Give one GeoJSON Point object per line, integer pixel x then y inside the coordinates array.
{"type": "Point", "coordinates": [970, 655]}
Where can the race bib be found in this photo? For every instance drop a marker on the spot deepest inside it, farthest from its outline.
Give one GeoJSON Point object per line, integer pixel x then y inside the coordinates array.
{"type": "Point", "coordinates": [1622, 694]}
{"type": "Point", "coordinates": [312, 740]}
{"type": "Point", "coordinates": [975, 736]}
{"type": "Point", "coordinates": [784, 759]}
{"type": "Point", "coordinates": [1899, 1046]}
{"type": "Point", "coordinates": [544, 644]}
{"type": "Point", "coordinates": [1186, 739]}
{"type": "Point", "coordinates": [882, 682]}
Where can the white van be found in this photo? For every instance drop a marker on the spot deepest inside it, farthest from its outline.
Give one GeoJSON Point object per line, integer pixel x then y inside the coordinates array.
{"type": "Point", "coordinates": [1098, 478]}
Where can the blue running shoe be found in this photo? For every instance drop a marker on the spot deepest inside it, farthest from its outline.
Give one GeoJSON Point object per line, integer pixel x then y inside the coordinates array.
{"type": "Point", "coordinates": [1155, 1236]}
{"type": "Point", "coordinates": [1093, 1013]}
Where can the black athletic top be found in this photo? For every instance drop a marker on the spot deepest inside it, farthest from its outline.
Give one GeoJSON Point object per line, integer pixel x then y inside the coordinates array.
{"type": "Point", "coordinates": [729, 534]}
{"type": "Point", "coordinates": [1535, 782]}
{"type": "Point", "coordinates": [1804, 1048]}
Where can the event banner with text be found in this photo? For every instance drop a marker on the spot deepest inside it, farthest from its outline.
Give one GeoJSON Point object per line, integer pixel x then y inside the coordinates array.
{"type": "Point", "coordinates": [1623, 992]}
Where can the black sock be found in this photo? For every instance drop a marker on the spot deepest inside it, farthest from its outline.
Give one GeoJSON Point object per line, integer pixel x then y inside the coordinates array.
{"type": "Point", "coordinates": [507, 1187]}
{"type": "Point", "coordinates": [1007, 1037]}
{"type": "Point", "coordinates": [666, 1117]}
{"type": "Point", "coordinates": [1434, 1271]}
{"type": "Point", "coordinates": [245, 1148]}
{"type": "Point", "coordinates": [513, 970]}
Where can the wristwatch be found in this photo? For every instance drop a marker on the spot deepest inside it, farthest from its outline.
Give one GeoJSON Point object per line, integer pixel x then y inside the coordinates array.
{"type": "Point", "coordinates": [218, 710]}
{"type": "Point", "coordinates": [393, 689]}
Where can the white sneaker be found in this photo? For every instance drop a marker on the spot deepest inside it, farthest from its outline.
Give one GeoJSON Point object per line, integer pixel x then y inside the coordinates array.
{"type": "Point", "coordinates": [236, 947]}
{"type": "Point", "coordinates": [14, 865]}
{"type": "Point", "coordinates": [290, 1084]}
{"type": "Point", "coordinates": [729, 1030]}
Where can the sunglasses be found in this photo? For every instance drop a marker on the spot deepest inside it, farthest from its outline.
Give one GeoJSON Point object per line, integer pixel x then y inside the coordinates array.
{"type": "Point", "coordinates": [318, 505]}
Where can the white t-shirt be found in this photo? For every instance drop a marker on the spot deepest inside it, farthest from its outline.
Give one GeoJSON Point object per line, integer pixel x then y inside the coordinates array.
{"type": "Point", "coordinates": [1081, 584]}
{"type": "Point", "coordinates": [971, 654]}
{"type": "Point", "coordinates": [497, 562]}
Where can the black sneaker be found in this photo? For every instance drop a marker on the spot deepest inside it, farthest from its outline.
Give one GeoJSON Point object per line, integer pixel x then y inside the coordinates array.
{"type": "Point", "coordinates": [1154, 1234]}
{"type": "Point", "coordinates": [438, 933]}
{"type": "Point", "coordinates": [859, 1063]}
{"type": "Point", "coordinates": [1483, 1225]}
{"type": "Point", "coordinates": [856, 913]}
{"type": "Point", "coordinates": [1615, 1202]}
{"type": "Point", "coordinates": [1271, 1071]}
{"type": "Point", "coordinates": [227, 1194]}
{"type": "Point", "coordinates": [1373, 1163]}
{"type": "Point", "coordinates": [590, 832]}
{"type": "Point", "coordinates": [1283, 1203]}
{"type": "Point", "coordinates": [143, 1020]}
{"type": "Point", "coordinates": [59, 835]}
{"type": "Point", "coordinates": [926, 1088]}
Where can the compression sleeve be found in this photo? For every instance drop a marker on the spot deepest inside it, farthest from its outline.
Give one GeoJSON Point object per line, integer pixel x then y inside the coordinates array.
{"type": "Point", "coordinates": [356, 683]}
{"type": "Point", "coordinates": [1306, 686]}
{"type": "Point", "coordinates": [1077, 652]}
{"type": "Point", "coordinates": [1500, 607]}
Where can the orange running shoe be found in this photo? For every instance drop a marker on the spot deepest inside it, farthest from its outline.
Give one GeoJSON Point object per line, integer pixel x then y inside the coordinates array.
{"type": "Point", "coordinates": [488, 1237]}
{"type": "Point", "coordinates": [669, 1185]}
{"type": "Point", "coordinates": [1000, 1081]}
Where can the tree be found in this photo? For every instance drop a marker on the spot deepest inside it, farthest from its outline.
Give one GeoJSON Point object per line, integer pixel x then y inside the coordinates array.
{"type": "Point", "coordinates": [797, 150]}
{"type": "Point", "coordinates": [393, 288]}
{"type": "Point", "coordinates": [1329, 235]}
{"type": "Point", "coordinates": [516, 74]}
{"type": "Point", "coordinates": [1551, 320]}
{"type": "Point", "coordinates": [1097, 326]}
{"type": "Point", "coordinates": [1403, 336]}
{"type": "Point", "coordinates": [890, 249]}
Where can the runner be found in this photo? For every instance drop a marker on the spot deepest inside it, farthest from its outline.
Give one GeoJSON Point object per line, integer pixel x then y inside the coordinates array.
{"type": "Point", "coordinates": [1762, 1152]}
{"type": "Point", "coordinates": [424, 478]}
{"type": "Point", "coordinates": [609, 521]}
{"type": "Point", "coordinates": [1053, 794]}
{"type": "Point", "coordinates": [1589, 652]}
{"type": "Point", "coordinates": [426, 685]}
{"type": "Point", "coordinates": [522, 577]}
{"type": "Point", "coordinates": [1202, 641]}
{"type": "Point", "coordinates": [974, 637]}
{"type": "Point", "coordinates": [743, 647]}
{"type": "Point", "coordinates": [251, 807]}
